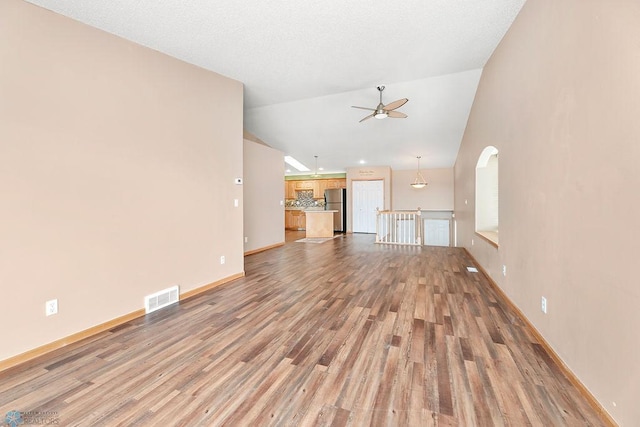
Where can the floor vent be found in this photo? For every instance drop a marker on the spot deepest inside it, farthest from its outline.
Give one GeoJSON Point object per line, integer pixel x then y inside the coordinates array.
{"type": "Point", "coordinates": [161, 299]}
{"type": "Point", "coordinates": [472, 269]}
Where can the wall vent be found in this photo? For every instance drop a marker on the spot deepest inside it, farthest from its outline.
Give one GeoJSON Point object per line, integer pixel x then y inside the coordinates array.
{"type": "Point", "coordinates": [161, 299]}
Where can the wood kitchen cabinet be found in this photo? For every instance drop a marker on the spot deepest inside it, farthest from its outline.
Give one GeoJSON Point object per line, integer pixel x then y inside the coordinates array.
{"type": "Point", "coordinates": [289, 190]}
{"type": "Point", "coordinates": [295, 220]}
{"type": "Point", "coordinates": [336, 183]}
{"type": "Point", "coordinates": [318, 186]}
{"type": "Point", "coordinates": [288, 220]}
{"type": "Point", "coordinates": [329, 184]}
{"type": "Point", "coordinates": [322, 185]}
{"type": "Point", "coordinates": [309, 185]}
{"type": "Point", "coordinates": [304, 185]}
{"type": "Point", "coordinates": [299, 220]}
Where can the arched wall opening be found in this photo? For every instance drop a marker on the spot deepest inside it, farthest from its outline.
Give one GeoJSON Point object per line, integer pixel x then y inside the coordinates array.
{"type": "Point", "coordinates": [487, 194]}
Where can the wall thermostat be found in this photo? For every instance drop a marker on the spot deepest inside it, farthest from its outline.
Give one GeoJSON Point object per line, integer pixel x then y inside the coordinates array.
{"type": "Point", "coordinates": [238, 181]}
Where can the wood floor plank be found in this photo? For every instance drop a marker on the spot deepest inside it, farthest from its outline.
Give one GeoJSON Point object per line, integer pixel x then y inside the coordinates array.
{"type": "Point", "coordinates": [343, 333]}
{"type": "Point", "coordinates": [445, 400]}
{"type": "Point", "coordinates": [460, 387]}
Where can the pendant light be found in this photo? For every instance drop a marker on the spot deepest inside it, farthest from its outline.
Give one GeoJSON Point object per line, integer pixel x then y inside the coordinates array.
{"type": "Point", "coordinates": [419, 182]}
{"type": "Point", "coordinates": [315, 173]}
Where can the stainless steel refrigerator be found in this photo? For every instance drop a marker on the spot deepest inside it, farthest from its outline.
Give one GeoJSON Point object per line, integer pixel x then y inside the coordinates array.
{"type": "Point", "coordinates": [336, 199]}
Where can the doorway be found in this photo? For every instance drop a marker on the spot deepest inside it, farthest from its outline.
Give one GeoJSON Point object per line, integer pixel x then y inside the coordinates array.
{"type": "Point", "coordinates": [367, 197]}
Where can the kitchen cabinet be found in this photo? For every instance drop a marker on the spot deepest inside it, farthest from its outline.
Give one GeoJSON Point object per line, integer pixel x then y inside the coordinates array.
{"type": "Point", "coordinates": [308, 185]}
{"type": "Point", "coordinates": [336, 183]}
{"type": "Point", "coordinates": [303, 185]}
{"type": "Point", "coordinates": [322, 185]}
{"type": "Point", "coordinates": [299, 220]}
{"type": "Point", "coordinates": [329, 184]}
{"type": "Point", "coordinates": [317, 186]}
{"type": "Point", "coordinates": [288, 219]}
{"type": "Point", "coordinates": [295, 219]}
{"type": "Point", "coordinates": [289, 190]}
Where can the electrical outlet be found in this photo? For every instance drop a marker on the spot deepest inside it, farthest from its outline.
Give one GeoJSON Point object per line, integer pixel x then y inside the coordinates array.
{"type": "Point", "coordinates": [51, 307]}
{"type": "Point", "coordinates": [543, 305]}
{"type": "Point", "coordinates": [235, 203]}
{"type": "Point", "coordinates": [504, 270]}
{"type": "Point", "coordinates": [246, 240]}
{"type": "Point", "coordinates": [222, 259]}
{"type": "Point", "coordinates": [471, 242]}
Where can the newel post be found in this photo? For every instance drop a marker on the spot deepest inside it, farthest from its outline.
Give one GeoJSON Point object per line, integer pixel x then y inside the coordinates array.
{"type": "Point", "coordinates": [419, 226]}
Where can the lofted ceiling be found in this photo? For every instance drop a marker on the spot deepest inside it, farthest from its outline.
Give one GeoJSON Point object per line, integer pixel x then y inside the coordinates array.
{"type": "Point", "coordinates": [303, 64]}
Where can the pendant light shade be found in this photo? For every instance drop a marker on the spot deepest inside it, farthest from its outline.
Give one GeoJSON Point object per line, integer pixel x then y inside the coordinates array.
{"type": "Point", "coordinates": [419, 182]}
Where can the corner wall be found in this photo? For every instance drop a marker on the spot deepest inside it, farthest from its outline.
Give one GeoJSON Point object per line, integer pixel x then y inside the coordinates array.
{"type": "Point", "coordinates": [116, 174]}
{"type": "Point", "coordinates": [263, 195]}
{"type": "Point", "coordinates": [559, 99]}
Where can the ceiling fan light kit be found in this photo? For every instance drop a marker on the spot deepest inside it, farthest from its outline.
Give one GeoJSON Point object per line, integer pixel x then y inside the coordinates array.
{"type": "Point", "coordinates": [419, 182]}
{"type": "Point", "coordinates": [383, 111]}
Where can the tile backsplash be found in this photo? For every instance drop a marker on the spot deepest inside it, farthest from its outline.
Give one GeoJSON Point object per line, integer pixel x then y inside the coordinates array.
{"type": "Point", "coordinates": [305, 200]}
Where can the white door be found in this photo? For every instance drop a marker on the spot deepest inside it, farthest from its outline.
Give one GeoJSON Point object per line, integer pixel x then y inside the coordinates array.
{"type": "Point", "coordinates": [367, 196]}
{"type": "Point", "coordinates": [436, 232]}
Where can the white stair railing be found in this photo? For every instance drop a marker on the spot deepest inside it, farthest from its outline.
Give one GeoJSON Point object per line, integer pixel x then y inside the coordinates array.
{"type": "Point", "coordinates": [399, 227]}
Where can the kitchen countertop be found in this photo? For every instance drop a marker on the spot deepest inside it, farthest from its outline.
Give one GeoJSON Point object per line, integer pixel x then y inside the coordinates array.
{"type": "Point", "coordinates": [303, 208]}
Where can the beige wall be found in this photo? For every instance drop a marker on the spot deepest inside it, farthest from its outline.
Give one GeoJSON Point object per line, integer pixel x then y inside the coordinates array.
{"type": "Point", "coordinates": [263, 196]}
{"type": "Point", "coordinates": [116, 175]}
{"type": "Point", "coordinates": [560, 100]}
{"type": "Point", "coordinates": [367, 173]}
{"type": "Point", "coordinates": [437, 195]}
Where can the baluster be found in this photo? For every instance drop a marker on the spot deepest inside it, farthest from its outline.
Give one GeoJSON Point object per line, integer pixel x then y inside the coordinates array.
{"type": "Point", "coordinates": [419, 226]}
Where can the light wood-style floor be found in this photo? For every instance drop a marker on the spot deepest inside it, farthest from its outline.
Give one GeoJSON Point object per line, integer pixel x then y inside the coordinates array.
{"type": "Point", "coordinates": [340, 333]}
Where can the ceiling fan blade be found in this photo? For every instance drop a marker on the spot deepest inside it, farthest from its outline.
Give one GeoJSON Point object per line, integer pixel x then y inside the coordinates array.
{"type": "Point", "coordinates": [364, 108]}
{"type": "Point", "coordinates": [368, 117]}
{"type": "Point", "coordinates": [396, 115]}
{"type": "Point", "coordinates": [396, 104]}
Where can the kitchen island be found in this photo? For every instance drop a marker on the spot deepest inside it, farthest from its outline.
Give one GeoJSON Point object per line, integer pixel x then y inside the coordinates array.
{"type": "Point", "coordinates": [319, 223]}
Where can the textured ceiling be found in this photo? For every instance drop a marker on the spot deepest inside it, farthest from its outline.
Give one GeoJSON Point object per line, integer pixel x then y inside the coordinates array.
{"type": "Point", "coordinates": [304, 64]}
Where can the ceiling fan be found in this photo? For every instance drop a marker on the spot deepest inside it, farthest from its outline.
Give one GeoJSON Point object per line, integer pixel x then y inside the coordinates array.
{"type": "Point", "coordinates": [383, 111]}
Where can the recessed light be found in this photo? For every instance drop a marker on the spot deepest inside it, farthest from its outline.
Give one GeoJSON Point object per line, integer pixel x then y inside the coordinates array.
{"type": "Point", "coordinates": [320, 169]}
{"type": "Point", "coordinates": [362, 162]}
